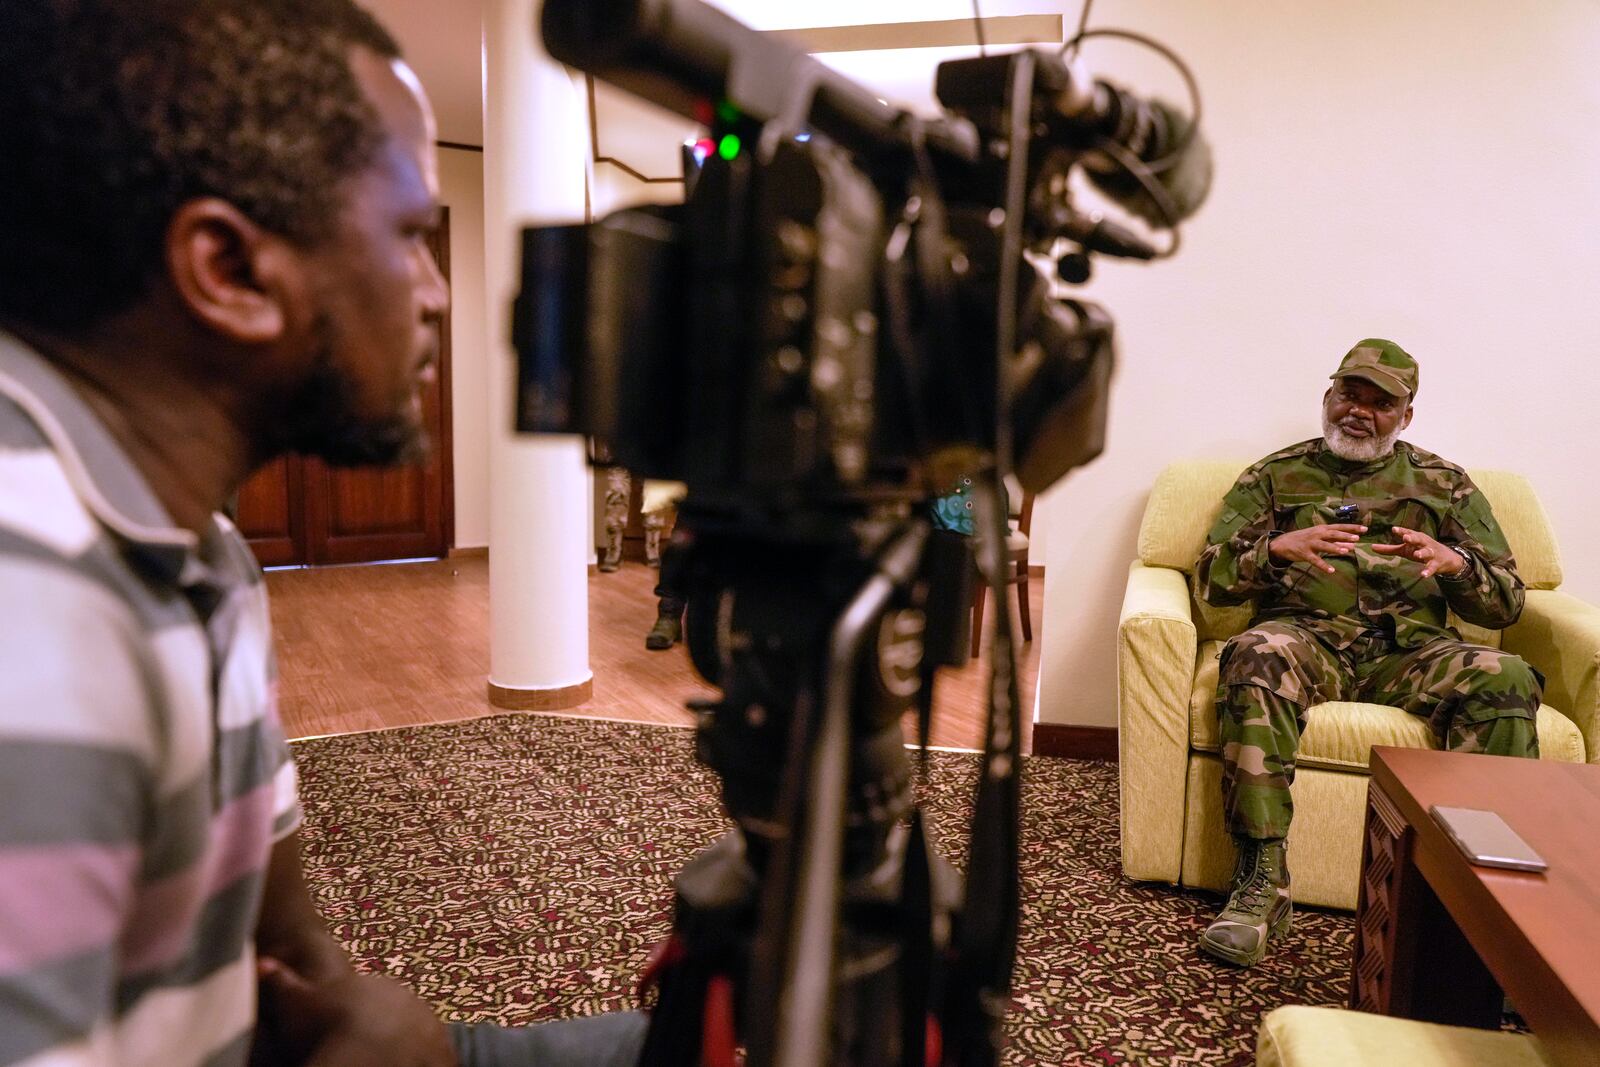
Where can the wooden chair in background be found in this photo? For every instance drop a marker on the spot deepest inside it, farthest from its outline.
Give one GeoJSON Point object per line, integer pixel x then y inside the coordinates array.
{"type": "Point", "coordinates": [1021, 505]}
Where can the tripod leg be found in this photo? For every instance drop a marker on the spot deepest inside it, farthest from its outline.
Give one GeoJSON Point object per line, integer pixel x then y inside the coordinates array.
{"type": "Point", "coordinates": [978, 592]}
{"type": "Point", "coordinates": [986, 947]}
{"type": "Point", "coordinates": [720, 1039]}
{"type": "Point", "coordinates": [794, 964]}
{"type": "Point", "coordinates": [674, 1039]}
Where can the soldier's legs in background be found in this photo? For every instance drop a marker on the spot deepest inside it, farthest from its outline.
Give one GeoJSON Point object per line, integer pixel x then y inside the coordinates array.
{"type": "Point", "coordinates": [618, 488]}
{"type": "Point", "coordinates": [655, 523]}
{"type": "Point", "coordinates": [668, 628]}
{"type": "Point", "coordinates": [1476, 698]}
{"type": "Point", "coordinates": [1268, 676]}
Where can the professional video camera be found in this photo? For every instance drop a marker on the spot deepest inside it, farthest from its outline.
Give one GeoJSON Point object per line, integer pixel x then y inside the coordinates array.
{"type": "Point", "coordinates": [839, 321]}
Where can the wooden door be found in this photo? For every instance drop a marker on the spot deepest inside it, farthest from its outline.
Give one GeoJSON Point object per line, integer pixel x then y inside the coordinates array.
{"type": "Point", "coordinates": [270, 512]}
{"type": "Point", "coordinates": [298, 510]}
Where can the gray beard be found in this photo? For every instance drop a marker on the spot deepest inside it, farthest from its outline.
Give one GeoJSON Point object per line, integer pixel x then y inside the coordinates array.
{"type": "Point", "coordinates": [1357, 449]}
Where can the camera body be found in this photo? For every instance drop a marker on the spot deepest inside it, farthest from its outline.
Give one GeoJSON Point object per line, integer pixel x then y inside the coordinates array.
{"type": "Point", "coordinates": [820, 322]}
{"type": "Point", "coordinates": [730, 342]}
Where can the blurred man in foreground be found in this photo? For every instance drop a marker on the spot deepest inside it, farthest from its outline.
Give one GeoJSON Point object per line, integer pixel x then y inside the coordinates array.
{"type": "Point", "coordinates": [213, 223]}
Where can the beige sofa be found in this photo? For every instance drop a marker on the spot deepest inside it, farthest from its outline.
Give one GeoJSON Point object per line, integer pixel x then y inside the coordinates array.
{"type": "Point", "coordinates": [1167, 649]}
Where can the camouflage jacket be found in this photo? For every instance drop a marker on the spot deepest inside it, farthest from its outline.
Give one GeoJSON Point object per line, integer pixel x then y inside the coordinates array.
{"type": "Point", "coordinates": [1303, 485]}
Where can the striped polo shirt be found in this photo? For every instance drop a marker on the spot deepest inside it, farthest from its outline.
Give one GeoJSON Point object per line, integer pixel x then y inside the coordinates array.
{"type": "Point", "coordinates": [144, 775]}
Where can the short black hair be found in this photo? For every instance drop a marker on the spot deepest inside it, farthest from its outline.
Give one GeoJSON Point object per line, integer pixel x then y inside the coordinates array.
{"type": "Point", "coordinates": [114, 113]}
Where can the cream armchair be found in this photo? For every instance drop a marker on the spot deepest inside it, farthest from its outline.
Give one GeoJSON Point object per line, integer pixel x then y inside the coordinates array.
{"type": "Point", "coordinates": [1167, 649]}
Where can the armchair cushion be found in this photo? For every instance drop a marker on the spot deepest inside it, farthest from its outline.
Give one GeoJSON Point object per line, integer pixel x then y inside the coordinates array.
{"type": "Point", "coordinates": [1184, 502]}
{"type": "Point", "coordinates": [1303, 1036]}
{"type": "Point", "coordinates": [1560, 635]}
{"type": "Point", "coordinates": [1526, 526]}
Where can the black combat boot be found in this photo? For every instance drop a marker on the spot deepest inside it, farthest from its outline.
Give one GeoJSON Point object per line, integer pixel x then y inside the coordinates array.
{"type": "Point", "coordinates": [1258, 907]}
{"type": "Point", "coordinates": [667, 631]}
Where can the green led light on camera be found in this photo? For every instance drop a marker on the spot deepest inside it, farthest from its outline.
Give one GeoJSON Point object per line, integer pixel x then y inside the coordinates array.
{"type": "Point", "coordinates": [728, 147]}
{"type": "Point", "coordinates": [727, 112]}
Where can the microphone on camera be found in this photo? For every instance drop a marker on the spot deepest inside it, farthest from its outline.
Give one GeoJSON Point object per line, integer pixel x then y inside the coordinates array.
{"type": "Point", "coordinates": [1144, 154]}
{"type": "Point", "coordinates": [1135, 133]}
{"type": "Point", "coordinates": [1095, 233]}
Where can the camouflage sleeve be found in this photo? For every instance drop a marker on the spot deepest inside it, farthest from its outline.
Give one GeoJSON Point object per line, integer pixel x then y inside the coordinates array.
{"type": "Point", "coordinates": [1235, 567]}
{"type": "Point", "coordinates": [1489, 592]}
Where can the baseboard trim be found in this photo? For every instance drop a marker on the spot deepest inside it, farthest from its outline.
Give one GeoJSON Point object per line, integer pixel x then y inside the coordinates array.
{"type": "Point", "coordinates": [1036, 570]}
{"type": "Point", "coordinates": [568, 696]}
{"type": "Point", "coordinates": [1066, 741]}
{"type": "Point", "coordinates": [482, 552]}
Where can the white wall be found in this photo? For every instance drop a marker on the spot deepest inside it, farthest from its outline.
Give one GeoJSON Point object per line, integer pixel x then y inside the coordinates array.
{"type": "Point", "coordinates": [443, 43]}
{"type": "Point", "coordinates": [1423, 171]}
{"type": "Point", "coordinates": [461, 187]}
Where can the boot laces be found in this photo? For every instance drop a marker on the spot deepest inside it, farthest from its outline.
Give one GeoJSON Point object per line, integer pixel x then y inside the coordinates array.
{"type": "Point", "coordinates": [1257, 890]}
{"type": "Point", "coordinates": [1255, 893]}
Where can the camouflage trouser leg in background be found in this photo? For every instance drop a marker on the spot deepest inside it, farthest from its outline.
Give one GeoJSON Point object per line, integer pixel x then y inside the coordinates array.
{"type": "Point", "coordinates": [618, 488]}
{"type": "Point", "coordinates": [1269, 675]}
{"type": "Point", "coordinates": [655, 524]}
{"type": "Point", "coordinates": [1477, 699]}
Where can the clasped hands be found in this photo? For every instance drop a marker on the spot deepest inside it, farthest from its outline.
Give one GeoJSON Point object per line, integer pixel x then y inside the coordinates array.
{"type": "Point", "coordinates": [1338, 539]}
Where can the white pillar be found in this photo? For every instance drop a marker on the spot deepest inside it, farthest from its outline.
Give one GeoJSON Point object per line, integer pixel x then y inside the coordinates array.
{"type": "Point", "coordinates": [535, 145]}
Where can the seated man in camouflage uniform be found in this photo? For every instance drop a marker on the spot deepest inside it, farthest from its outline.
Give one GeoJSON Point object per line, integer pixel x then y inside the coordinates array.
{"type": "Point", "coordinates": [1354, 547]}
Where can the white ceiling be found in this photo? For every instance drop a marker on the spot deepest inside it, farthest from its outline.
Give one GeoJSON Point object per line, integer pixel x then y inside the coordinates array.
{"type": "Point", "coordinates": [443, 42]}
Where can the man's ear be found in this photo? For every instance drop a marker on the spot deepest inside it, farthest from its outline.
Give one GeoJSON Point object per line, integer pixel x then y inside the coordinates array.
{"type": "Point", "coordinates": [231, 274]}
{"type": "Point", "coordinates": [1405, 420]}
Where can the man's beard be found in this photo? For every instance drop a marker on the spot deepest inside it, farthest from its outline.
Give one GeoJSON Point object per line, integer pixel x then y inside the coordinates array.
{"type": "Point", "coordinates": [1358, 449]}
{"type": "Point", "coordinates": [320, 418]}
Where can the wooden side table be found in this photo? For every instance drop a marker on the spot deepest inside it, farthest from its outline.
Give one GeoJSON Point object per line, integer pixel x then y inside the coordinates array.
{"type": "Point", "coordinates": [1411, 959]}
{"type": "Point", "coordinates": [1437, 938]}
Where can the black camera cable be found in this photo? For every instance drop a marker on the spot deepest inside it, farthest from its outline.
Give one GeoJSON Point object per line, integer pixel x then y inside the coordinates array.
{"type": "Point", "coordinates": [1140, 170]}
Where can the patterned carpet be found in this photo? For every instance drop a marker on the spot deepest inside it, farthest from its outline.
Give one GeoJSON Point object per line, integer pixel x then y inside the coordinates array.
{"type": "Point", "coordinates": [519, 869]}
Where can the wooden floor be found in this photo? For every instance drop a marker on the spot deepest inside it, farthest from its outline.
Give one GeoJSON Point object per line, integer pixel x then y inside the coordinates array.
{"type": "Point", "coordinates": [406, 644]}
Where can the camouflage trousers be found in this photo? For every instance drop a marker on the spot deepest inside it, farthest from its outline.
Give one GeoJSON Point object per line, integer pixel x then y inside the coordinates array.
{"type": "Point", "coordinates": [1476, 699]}
{"type": "Point", "coordinates": [618, 488]}
{"type": "Point", "coordinates": [655, 526]}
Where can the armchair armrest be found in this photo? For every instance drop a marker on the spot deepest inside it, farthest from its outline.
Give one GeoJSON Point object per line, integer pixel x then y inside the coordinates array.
{"type": "Point", "coordinates": [1560, 635]}
{"type": "Point", "coordinates": [1156, 649]}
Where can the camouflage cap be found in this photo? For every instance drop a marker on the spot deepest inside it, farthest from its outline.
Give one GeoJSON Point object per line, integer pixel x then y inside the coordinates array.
{"type": "Point", "coordinates": [1383, 363]}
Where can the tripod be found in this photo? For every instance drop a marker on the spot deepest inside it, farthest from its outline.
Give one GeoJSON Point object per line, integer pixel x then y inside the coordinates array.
{"type": "Point", "coordinates": [823, 929]}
